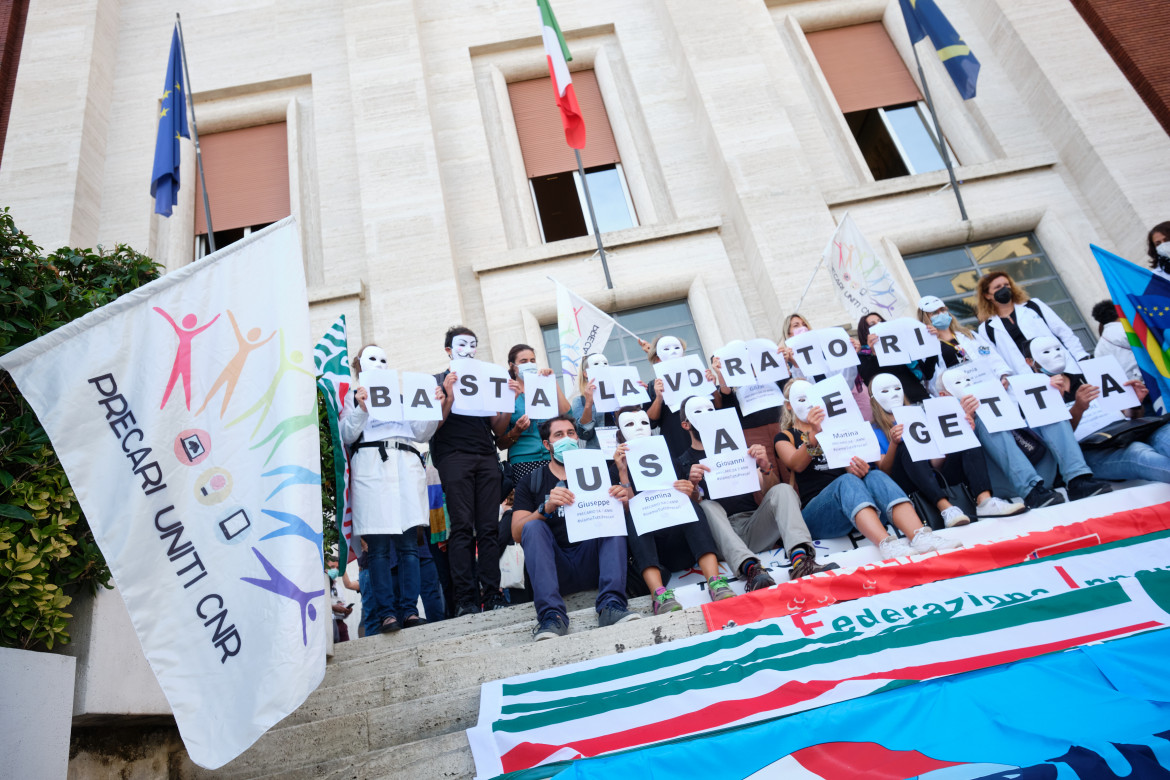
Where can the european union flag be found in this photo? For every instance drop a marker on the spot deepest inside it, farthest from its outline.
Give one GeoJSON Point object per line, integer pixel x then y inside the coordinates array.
{"type": "Point", "coordinates": [172, 123]}
{"type": "Point", "coordinates": [923, 18]}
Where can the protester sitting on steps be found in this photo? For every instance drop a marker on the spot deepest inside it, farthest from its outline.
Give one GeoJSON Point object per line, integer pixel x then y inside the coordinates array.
{"type": "Point", "coordinates": [555, 566]}
{"type": "Point", "coordinates": [667, 421]}
{"type": "Point", "coordinates": [1009, 319]}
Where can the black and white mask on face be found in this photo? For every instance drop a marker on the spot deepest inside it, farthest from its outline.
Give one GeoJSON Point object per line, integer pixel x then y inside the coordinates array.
{"type": "Point", "coordinates": [634, 425]}
{"type": "Point", "coordinates": [371, 357]}
{"type": "Point", "coordinates": [1049, 354]}
{"type": "Point", "coordinates": [696, 406]}
{"type": "Point", "coordinates": [595, 360]}
{"type": "Point", "coordinates": [463, 346]}
{"type": "Point", "coordinates": [887, 391]}
{"type": "Point", "coordinates": [800, 399]}
{"type": "Point", "coordinates": [669, 348]}
{"type": "Point", "coordinates": [956, 382]}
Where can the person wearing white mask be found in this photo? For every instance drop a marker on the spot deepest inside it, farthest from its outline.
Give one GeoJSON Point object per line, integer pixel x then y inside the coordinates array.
{"type": "Point", "coordinates": [967, 467]}
{"type": "Point", "coordinates": [388, 494]}
{"type": "Point", "coordinates": [667, 421]}
{"type": "Point", "coordinates": [1009, 327]}
{"type": "Point", "coordinates": [581, 405]}
{"type": "Point", "coordinates": [464, 450]}
{"type": "Point", "coordinates": [675, 548]}
{"type": "Point", "coordinates": [836, 500]}
{"type": "Point", "coordinates": [525, 452]}
{"type": "Point", "coordinates": [556, 567]}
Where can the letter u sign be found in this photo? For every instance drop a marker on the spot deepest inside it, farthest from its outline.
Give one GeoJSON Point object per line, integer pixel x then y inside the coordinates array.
{"type": "Point", "coordinates": [591, 484]}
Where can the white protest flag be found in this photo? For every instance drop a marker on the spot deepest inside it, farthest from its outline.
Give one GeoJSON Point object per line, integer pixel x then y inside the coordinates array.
{"type": "Point", "coordinates": [189, 435]}
{"type": "Point", "coordinates": [584, 329]}
{"type": "Point", "coordinates": [860, 278]}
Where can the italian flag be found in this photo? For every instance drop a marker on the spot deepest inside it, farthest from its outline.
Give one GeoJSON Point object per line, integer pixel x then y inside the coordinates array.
{"type": "Point", "coordinates": [558, 68]}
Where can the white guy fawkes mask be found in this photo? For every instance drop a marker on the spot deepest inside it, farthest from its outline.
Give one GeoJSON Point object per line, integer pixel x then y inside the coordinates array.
{"type": "Point", "coordinates": [634, 425]}
{"type": "Point", "coordinates": [594, 360]}
{"type": "Point", "coordinates": [887, 391]}
{"type": "Point", "coordinates": [371, 357]}
{"type": "Point", "coordinates": [956, 382]}
{"type": "Point", "coordinates": [696, 405]}
{"type": "Point", "coordinates": [800, 399]}
{"type": "Point", "coordinates": [669, 348]}
{"type": "Point", "coordinates": [1049, 354]}
{"type": "Point", "coordinates": [463, 346]}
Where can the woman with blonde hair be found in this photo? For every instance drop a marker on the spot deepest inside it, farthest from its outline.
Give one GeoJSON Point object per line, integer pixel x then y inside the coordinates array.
{"type": "Point", "coordinates": [1009, 319]}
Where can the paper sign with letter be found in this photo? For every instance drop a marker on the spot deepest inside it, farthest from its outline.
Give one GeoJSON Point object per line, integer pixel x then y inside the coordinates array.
{"type": "Point", "coordinates": [682, 378]}
{"type": "Point", "coordinates": [540, 397]}
{"type": "Point", "coordinates": [736, 364]}
{"type": "Point", "coordinates": [595, 513]}
{"type": "Point", "coordinates": [649, 463]}
{"type": "Point", "coordinates": [902, 341]}
{"type": "Point", "coordinates": [498, 397]}
{"type": "Point", "coordinates": [997, 409]}
{"type": "Point", "coordinates": [654, 510]}
{"type": "Point", "coordinates": [606, 439]}
{"type": "Point", "coordinates": [806, 351]}
{"type": "Point", "coordinates": [1107, 374]}
{"type": "Point", "coordinates": [1095, 418]}
{"type": "Point", "coordinates": [948, 424]}
{"type": "Point", "coordinates": [605, 389]}
{"type": "Point", "coordinates": [843, 444]}
{"type": "Point", "coordinates": [731, 474]}
{"type": "Point", "coordinates": [469, 389]}
{"type": "Point", "coordinates": [977, 370]}
{"type": "Point", "coordinates": [837, 349]}
{"type": "Point", "coordinates": [767, 361]}
{"type": "Point", "coordinates": [916, 436]}
{"type": "Point", "coordinates": [630, 391]}
{"type": "Point", "coordinates": [754, 398]}
{"type": "Point", "coordinates": [834, 397]}
{"type": "Point", "coordinates": [384, 403]}
{"type": "Point", "coordinates": [418, 397]}
{"type": "Point", "coordinates": [720, 431]}
{"type": "Point", "coordinates": [1041, 404]}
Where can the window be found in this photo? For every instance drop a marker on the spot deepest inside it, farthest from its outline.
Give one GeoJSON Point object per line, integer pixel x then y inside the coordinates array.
{"type": "Point", "coordinates": [952, 274]}
{"type": "Point", "coordinates": [880, 101]}
{"type": "Point", "coordinates": [672, 319]}
{"type": "Point", "coordinates": [247, 183]}
{"type": "Point", "coordinates": [555, 183]}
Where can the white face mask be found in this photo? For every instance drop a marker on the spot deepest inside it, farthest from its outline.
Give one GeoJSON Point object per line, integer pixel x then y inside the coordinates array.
{"type": "Point", "coordinates": [463, 346]}
{"type": "Point", "coordinates": [887, 391]}
{"type": "Point", "coordinates": [527, 369]}
{"type": "Point", "coordinates": [956, 382]}
{"type": "Point", "coordinates": [371, 357]}
{"type": "Point", "coordinates": [800, 399]}
{"type": "Point", "coordinates": [669, 348]}
{"type": "Point", "coordinates": [696, 406]}
{"type": "Point", "coordinates": [1049, 354]}
{"type": "Point", "coordinates": [595, 360]}
{"type": "Point", "coordinates": [634, 425]}
{"type": "Point", "coordinates": [1163, 249]}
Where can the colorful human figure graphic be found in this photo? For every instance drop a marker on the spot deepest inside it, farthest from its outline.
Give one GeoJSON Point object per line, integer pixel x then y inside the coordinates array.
{"type": "Point", "coordinates": [231, 372]}
{"type": "Point", "coordinates": [282, 586]}
{"type": "Point", "coordinates": [286, 428]}
{"type": "Point", "coordinates": [297, 475]}
{"type": "Point", "coordinates": [292, 526]}
{"type": "Point", "coordinates": [182, 366]}
{"type": "Point", "coordinates": [288, 362]}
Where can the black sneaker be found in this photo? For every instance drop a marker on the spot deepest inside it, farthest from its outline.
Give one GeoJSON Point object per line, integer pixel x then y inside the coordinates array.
{"type": "Point", "coordinates": [1040, 496]}
{"type": "Point", "coordinates": [552, 626]}
{"type": "Point", "coordinates": [808, 565]}
{"type": "Point", "coordinates": [1083, 487]}
{"type": "Point", "coordinates": [467, 609]}
{"type": "Point", "coordinates": [612, 615]}
{"type": "Point", "coordinates": [494, 600]}
{"type": "Point", "coordinates": [757, 577]}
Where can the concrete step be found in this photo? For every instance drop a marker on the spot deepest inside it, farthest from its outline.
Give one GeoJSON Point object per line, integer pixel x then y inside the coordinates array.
{"type": "Point", "coordinates": [446, 756]}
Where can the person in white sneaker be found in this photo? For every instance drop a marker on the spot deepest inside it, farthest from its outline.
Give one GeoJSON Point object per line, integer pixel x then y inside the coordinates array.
{"type": "Point", "coordinates": [834, 501]}
{"type": "Point", "coordinates": [968, 467]}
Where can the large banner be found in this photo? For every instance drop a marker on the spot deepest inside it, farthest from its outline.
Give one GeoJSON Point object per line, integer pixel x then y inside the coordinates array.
{"type": "Point", "coordinates": [861, 279]}
{"type": "Point", "coordinates": [584, 329]}
{"type": "Point", "coordinates": [753, 673]}
{"type": "Point", "coordinates": [185, 415]}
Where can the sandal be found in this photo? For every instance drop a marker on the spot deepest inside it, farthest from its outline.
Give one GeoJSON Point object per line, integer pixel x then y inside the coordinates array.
{"type": "Point", "coordinates": [390, 625]}
{"type": "Point", "coordinates": [412, 621]}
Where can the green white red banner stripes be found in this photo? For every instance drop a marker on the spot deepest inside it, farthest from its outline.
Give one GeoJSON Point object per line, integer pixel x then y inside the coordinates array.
{"type": "Point", "coordinates": [559, 57]}
{"type": "Point", "coordinates": [774, 668]}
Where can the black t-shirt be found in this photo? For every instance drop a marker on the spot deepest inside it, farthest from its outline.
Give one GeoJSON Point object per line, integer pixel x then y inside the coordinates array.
{"type": "Point", "coordinates": [670, 425]}
{"type": "Point", "coordinates": [732, 504]}
{"type": "Point", "coordinates": [1013, 330]}
{"type": "Point", "coordinates": [531, 496]}
{"type": "Point", "coordinates": [462, 433]}
{"type": "Point", "coordinates": [817, 475]}
{"type": "Point", "coordinates": [913, 385]}
{"type": "Point", "coordinates": [755, 419]}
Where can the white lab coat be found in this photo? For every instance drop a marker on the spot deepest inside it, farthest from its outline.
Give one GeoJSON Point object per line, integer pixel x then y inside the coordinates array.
{"type": "Point", "coordinates": [1115, 342]}
{"type": "Point", "coordinates": [1032, 325]}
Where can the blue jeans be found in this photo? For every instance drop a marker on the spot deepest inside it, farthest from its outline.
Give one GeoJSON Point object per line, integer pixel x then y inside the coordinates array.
{"type": "Point", "coordinates": [1062, 443]}
{"type": "Point", "coordinates": [403, 599]}
{"type": "Point", "coordinates": [1002, 449]}
{"type": "Point", "coordinates": [554, 570]}
{"type": "Point", "coordinates": [1141, 460]}
{"type": "Point", "coordinates": [432, 594]}
{"type": "Point", "coordinates": [370, 621]}
{"type": "Point", "coordinates": [831, 513]}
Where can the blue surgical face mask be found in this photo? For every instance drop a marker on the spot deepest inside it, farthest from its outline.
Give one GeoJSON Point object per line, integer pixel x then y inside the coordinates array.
{"type": "Point", "coordinates": [562, 446]}
{"type": "Point", "coordinates": [332, 574]}
{"type": "Point", "coordinates": [941, 321]}
{"type": "Point", "coordinates": [527, 369]}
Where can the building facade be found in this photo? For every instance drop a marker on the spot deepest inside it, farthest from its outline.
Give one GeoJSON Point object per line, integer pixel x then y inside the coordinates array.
{"type": "Point", "coordinates": [739, 134]}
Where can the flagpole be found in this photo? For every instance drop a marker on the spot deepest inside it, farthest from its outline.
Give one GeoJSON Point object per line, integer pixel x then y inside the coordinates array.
{"type": "Point", "coordinates": [939, 143]}
{"type": "Point", "coordinates": [195, 136]}
{"type": "Point", "coordinates": [593, 219]}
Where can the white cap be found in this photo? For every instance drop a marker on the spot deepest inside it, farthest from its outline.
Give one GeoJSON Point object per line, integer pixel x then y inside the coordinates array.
{"type": "Point", "coordinates": [929, 303]}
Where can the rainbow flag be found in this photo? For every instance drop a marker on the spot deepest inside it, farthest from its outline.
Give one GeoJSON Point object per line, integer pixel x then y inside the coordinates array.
{"type": "Point", "coordinates": [1142, 299]}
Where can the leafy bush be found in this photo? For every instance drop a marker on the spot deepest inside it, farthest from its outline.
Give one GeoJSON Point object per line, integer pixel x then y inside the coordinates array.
{"type": "Point", "coordinates": [46, 547]}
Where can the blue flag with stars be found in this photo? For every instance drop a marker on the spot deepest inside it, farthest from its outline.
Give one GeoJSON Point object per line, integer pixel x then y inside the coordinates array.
{"type": "Point", "coordinates": [923, 18]}
{"type": "Point", "coordinates": [172, 123]}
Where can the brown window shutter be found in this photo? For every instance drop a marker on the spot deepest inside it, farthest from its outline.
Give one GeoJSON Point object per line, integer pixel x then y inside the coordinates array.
{"type": "Point", "coordinates": [542, 136]}
{"type": "Point", "coordinates": [863, 67]}
{"type": "Point", "coordinates": [247, 177]}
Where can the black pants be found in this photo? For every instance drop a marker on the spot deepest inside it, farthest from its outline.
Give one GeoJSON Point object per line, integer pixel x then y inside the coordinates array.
{"type": "Point", "coordinates": [471, 487]}
{"type": "Point", "coordinates": [968, 467]}
{"type": "Point", "coordinates": [670, 549]}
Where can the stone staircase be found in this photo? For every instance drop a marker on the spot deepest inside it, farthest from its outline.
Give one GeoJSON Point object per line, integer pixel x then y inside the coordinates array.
{"type": "Point", "coordinates": [396, 706]}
